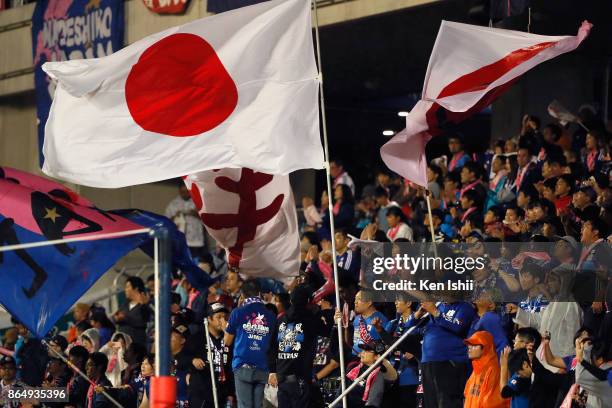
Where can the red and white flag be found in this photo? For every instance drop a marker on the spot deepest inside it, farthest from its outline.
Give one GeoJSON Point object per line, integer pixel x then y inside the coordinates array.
{"type": "Point", "coordinates": [252, 215]}
{"type": "Point", "coordinates": [238, 89]}
{"type": "Point", "coordinates": [470, 66]}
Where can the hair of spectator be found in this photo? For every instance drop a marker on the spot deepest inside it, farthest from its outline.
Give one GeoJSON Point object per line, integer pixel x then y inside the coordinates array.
{"type": "Point", "coordinates": [313, 238]}
{"type": "Point", "coordinates": [284, 299]}
{"type": "Point", "coordinates": [520, 213]}
{"type": "Point", "coordinates": [552, 159]}
{"type": "Point", "coordinates": [397, 212]}
{"type": "Point", "coordinates": [250, 288]}
{"type": "Point", "coordinates": [367, 295]}
{"type": "Point", "coordinates": [99, 316]}
{"type": "Point", "coordinates": [347, 194]}
{"type": "Point", "coordinates": [437, 171]}
{"type": "Point", "coordinates": [472, 195]}
{"type": "Point", "coordinates": [570, 181]}
{"type": "Point", "coordinates": [136, 283]}
{"type": "Point", "coordinates": [516, 358]}
{"type": "Point", "coordinates": [99, 360]}
{"type": "Point", "coordinates": [381, 192]}
{"type": "Point", "coordinates": [475, 168]}
{"type": "Point", "coordinates": [454, 177]}
{"type": "Point", "coordinates": [342, 231]}
{"type": "Point", "coordinates": [150, 357]}
{"type": "Point", "coordinates": [555, 130]}
{"type": "Point", "coordinates": [151, 278]}
{"type": "Point", "coordinates": [237, 274]}
{"type": "Point", "coordinates": [530, 335]}
{"type": "Point", "coordinates": [532, 268]}
{"type": "Point", "coordinates": [175, 298]}
{"type": "Point", "coordinates": [551, 183]}
{"type": "Point", "coordinates": [496, 210]}
{"type": "Point", "coordinates": [80, 353]}
{"type": "Point", "coordinates": [530, 192]}
{"type": "Point", "coordinates": [139, 351]}
{"type": "Point", "coordinates": [597, 224]}
{"type": "Point", "coordinates": [456, 136]}
{"type": "Point", "coordinates": [337, 162]}
{"type": "Point", "coordinates": [83, 325]}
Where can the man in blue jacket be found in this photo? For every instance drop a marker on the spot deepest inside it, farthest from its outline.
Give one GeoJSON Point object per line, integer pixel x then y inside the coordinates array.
{"type": "Point", "coordinates": [444, 363]}
{"type": "Point", "coordinates": [251, 327]}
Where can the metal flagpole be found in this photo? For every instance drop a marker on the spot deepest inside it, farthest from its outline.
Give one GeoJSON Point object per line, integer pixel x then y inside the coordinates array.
{"type": "Point", "coordinates": [330, 207]}
{"type": "Point", "coordinates": [163, 384]}
{"type": "Point", "coordinates": [82, 374]}
{"type": "Point", "coordinates": [210, 363]}
{"type": "Point", "coordinates": [431, 227]}
{"type": "Point", "coordinates": [379, 360]}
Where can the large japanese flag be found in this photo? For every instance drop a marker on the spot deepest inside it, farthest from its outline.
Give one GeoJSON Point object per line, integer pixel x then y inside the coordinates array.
{"type": "Point", "coordinates": [238, 89]}
{"type": "Point", "coordinates": [470, 66]}
{"type": "Point", "coordinates": [252, 215]}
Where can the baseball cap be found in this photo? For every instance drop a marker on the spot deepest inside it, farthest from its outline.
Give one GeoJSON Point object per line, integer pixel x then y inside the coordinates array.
{"type": "Point", "coordinates": [7, 360]}
{"type": "Point", "coordinates": [376, 346]}
{"type": "Point", "coordinates": [216, 308]}
{"type": "Point", "coordinates": [181, 329]}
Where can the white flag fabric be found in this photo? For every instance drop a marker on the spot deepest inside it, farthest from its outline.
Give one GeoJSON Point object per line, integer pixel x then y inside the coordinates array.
{"type": "Point", "coordinates": [559, 112]}
{"type": "Point", "coordinates": [469, 67]}
{"type": "Point", "coordinates": [238, 89]}
{"type": "Point", "coordinates": [252, 215]}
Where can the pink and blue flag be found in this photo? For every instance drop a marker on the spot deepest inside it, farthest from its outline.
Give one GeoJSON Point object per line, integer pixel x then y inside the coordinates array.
{"type": "Point", "coordinates": [39, 284]}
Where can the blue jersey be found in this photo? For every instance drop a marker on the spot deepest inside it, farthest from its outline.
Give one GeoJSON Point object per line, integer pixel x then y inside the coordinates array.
{"type": "Point", "coordinates": [368, 328]}
{"type": "Point", "coordinates": [407, 370]}
{"type": "Point", "coordinates": [534, 305]}
{"type": "Point", "coordinates": [443, 335]}
{"type": "Point", "coordinates": [519, 390]}
{"type": "Point", "coordinates": [491, 322]}
{"type": "Point", "coordinates": [252, 324]}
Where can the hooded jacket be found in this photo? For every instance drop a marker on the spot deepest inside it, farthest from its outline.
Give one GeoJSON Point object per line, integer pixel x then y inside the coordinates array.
{"type": "Point", "coordinates": [482, 388]}
{"type": "Point", "coordinates": [93, 336]}
{"type": "Point", "coordinates": [116, 363]}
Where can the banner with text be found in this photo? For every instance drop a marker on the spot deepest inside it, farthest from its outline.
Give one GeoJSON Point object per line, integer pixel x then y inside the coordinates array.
{"type": "Point", "coordinates": [66, 30]}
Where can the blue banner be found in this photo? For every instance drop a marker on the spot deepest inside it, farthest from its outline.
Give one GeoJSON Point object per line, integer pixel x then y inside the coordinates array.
{"type": "Point", "coordinates": [71, 29]}
{"type": "Point", "coordinates": [219, 6]}
{"type": "Point", "coordinates": [181, 257]}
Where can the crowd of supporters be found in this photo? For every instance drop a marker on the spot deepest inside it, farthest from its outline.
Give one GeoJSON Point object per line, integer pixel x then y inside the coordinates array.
{"type": "Point", "coordinates": [278, 346]}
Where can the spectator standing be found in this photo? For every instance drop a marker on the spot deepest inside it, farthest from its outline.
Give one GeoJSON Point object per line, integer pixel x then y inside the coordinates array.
{"type": "Point", "coordinates": [95, 370]}
{"type": "Point", "coordinates": [292, 351]}
{"type": "Point", "coordinates": [518, 387]}
{"type": "Point", "coordinates": [340, 176]}
{"type": "Point", "coordinates": [100, 321]}
{"type": "Point", "coordinates": [200, 387]}
{"type": "Point", "coordinates": [364, 327]}
{"type": "Point", "coordinates": [32, 358]}
{"type": "Point", "coordinates": [77, 385]}
{"type": "Point", "coordinates": [482, 388]}
{"type": "Point", "coordinates": [444, 363]}
{"type": "Point", "coordinates": [382, 201]}
{"type": "Point", "coordinates": [458, 156]}
{"type": "Point", "coordinates": [133, 316]}
{"type": "Point", "coordinates": [79, 314]}
{"type": "Point", "coordinates": [184, 213]}
{"type": "Point", "coordinates": [250, 331]}
{"type": "Point", "coordinates": [182, 360]}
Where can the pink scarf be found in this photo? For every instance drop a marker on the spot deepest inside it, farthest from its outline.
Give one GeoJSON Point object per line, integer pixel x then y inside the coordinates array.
{"type": "Point", "coordinates": [354, 373]}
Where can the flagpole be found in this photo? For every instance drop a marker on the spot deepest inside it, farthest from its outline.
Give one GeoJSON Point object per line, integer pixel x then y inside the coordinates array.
{"type": "Point", "coordinates": [330, 207]}
{"type": "Point", "coordinates": [209, 356]}
{"type": "Point", "coordinates": [79, 372]}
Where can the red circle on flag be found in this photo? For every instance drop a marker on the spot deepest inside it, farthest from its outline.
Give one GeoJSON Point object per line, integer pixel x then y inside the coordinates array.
{"type": "Point", "coordinates": [179, 87]}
